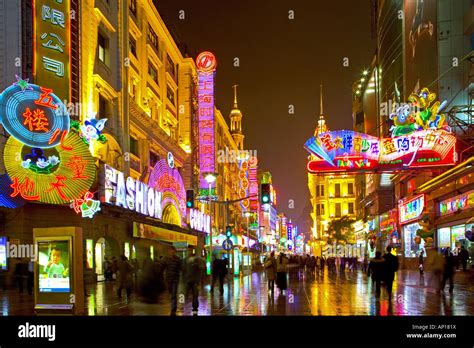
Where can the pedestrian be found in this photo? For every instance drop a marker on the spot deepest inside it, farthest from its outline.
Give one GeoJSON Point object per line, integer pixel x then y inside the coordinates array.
{"type": "Point", "coordinates": [20, 274]}
{"type": "Point", "coordinates": [448, 273]}
{"type": "Point", "coordinates": [172, 267]}
{"type": "Point", "coordinates": [219, 271]}
{"type": "Point", "coordinates": [437, 264]}
{"type": "Point", "coordinates": [376, 270]}
{"type": "Point", "coordinates": [391, 267]}
{"type": "Point", "coordinates": [149, 282]}
{"type": "Point", "coordinates": [318, 264]}
{"type": "Point", "coordinates": [107, 269]}
{"type": "Point", "coordinates": [114, 267]}
{"type": "Point", "coordinates": [124, 277]}
{"type": "Point", "coordinates": [31, 277]}
{"type": "Point", "coordinates": [282, 267]}
{"type": "Point", "coordinates": [464, 256]}
{"type": "Point", "coordinates": [420, 262]}
{"type": "Point", "coordinates": [270, 268]}
{"type": "Point", "coordinates": [366, 263]}
{"type": "Point", "coordinates": [193, 271]}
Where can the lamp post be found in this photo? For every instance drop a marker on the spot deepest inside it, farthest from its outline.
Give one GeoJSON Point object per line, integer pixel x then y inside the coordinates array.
{"type": "Point", "coordinates": [210, 178]}
{"type": "Point", "coordinates": [247, 214]}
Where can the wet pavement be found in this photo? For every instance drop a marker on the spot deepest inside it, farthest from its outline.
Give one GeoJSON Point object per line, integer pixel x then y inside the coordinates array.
{"type": "Point", "coordinates": [348, 293]}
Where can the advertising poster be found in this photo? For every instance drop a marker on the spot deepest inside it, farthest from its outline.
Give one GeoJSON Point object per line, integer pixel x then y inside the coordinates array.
{"type": "Point", "coordinates": [54, 266]}
{"type": "Point", "coordinates": [421, 45]}
{"type": "Point", "coordinates": [89, 253]}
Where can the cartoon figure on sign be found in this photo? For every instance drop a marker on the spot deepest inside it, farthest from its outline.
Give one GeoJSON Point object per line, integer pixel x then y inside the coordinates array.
{"type": "Point", "coordinates": [427, 117]}
{"type": "Point", "coordinates": [426, 231]}
{"type": "Point", "coordinates": [37, 161]}
{"type": "Point", "coordinates": [90, 130]}
{"type": "Point", "coordinates": [403, 121]}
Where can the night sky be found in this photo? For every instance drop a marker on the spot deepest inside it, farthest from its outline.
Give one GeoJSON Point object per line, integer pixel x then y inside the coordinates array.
{"type": "Point", "coordinates": [282, 63]}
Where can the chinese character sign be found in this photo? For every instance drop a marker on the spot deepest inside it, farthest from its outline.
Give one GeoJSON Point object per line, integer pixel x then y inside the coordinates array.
{"type": "Point", "coordinates": [33, 115]}
{"type": "Point", "coordinates": [253, 183]}
{"type": "Point", "coordinates": [206, 116]}
{"type": "Point", "coordinates": [353, 151]}
{"type": "Point", "coordinates": [52, 45]}
{"type": "Point", "coordinates": [412, 209]}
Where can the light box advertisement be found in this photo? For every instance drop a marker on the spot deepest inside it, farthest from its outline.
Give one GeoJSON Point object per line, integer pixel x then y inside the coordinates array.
{"type": "Point", "coordinates": [54, 266]}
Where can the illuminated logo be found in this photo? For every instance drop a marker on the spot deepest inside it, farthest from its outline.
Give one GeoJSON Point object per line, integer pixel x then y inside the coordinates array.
{"type": "Point", "coordinates": [206, 62]}
{"type": "Point", "coordinates": [411, 209]}
{"type": "Point", "coordinates": [170, 160]}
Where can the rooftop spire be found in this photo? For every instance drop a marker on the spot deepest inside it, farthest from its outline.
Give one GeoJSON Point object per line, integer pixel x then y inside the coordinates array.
{"type": "Point", "coordinates": [235, 96]}
{"type": "Point", "coordinates": [321, 100]}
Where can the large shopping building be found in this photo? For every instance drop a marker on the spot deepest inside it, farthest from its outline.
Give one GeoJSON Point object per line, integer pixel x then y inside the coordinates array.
{"type": "Point", "coordinates": [142, 115]}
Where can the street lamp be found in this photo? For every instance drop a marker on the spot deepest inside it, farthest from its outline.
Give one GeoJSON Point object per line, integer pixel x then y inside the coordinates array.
{"type": "Point", "coordinates": [247, 214]}
{"type": "Point", "coordinates": [210, 178]}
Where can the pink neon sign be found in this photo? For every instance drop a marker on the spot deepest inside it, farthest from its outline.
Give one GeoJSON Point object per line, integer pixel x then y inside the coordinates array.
{"type": "Point", "coordinates": [206, 120]}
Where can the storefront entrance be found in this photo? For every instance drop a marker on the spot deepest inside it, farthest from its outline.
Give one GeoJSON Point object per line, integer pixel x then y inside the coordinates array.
{"type": "Point", "coordinates": [105, 247]}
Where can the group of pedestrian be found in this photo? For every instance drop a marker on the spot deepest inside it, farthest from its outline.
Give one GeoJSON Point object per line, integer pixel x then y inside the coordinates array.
{"type": "Point", "coordinates": [277, 270]}
{"type": "Point", "coordinates": [383, 269]}
{"type": "Point", "coordinates": [442, 266]}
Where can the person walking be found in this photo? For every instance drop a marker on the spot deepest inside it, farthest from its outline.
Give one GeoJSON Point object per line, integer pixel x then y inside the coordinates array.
{"type": "Point", "coordinates": [448, 273]}
{"type": "Point", "coordinates": [464, 256]}
{"type": "Point", "coordinates": [124, 277]}
{"type": "Point", "coordinates": [219, 271]}
{"type": "Point", "coordinates": [282, 267]}
{"type": "Point", "coordinates": [391, 267]}
{"type": "Point", "coordinates": [270, 267]}
{"type": "Point", "coordinates": [437, 265]}
{"type": "Point", "coordinates": [193, 270]}
{"type": "Point", "coordinates": [421, 261]}
{"type": "Point", "coordinates": [173, 266]}
{"type": "Point", "coordinates": [376, 270]}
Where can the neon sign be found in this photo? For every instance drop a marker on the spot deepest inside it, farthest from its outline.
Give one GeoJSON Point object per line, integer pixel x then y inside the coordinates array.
{"type": "Point", "coordinates": [411, 209]}
{"type": "Point", "coordinates": [130, 194]}
{"type": "Point", "coordinates": [253, 183]}
{"type": "Point", "coordinates": [86, 206]}
{"type": "Point", "coordinates": [49, 175]}
{"type": "Point", "coordinates": [169, 182]}
{"type": "Point", "coordinates": [199, 221]}
{"type": "Point", "coordinates": [33, 115]}
{"type": "Point", "coordinates": [244, 184]}
{"type": "Point", "coordinates": [457, 203]}
{"type": "Point", "coordinates": [52, 45]}
{"type": "Point", "coordinates": [353, 151]}
{"type": "Point", "coordinates": [206, 64]}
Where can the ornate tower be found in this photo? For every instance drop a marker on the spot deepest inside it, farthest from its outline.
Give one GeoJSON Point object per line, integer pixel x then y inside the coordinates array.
{"type": "Point", "coordinates": [236, 122]}
{"type": "Point", "coordinates": [321, 127]}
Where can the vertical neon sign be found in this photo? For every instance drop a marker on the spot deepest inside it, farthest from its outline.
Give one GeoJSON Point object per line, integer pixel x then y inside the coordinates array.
{"type": "Point", "coordinates": [206, 65]}
{"type": "Point", "coordinates": [52, 45]}
{"type": "Point", "coordinates": [253, 183]}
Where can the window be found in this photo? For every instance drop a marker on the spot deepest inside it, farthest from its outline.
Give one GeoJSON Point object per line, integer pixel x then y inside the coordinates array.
{"type": "Point", "coordinates": [133, 45]}
{"type": "Point", "coordinates": [350, 188]}
{"type": "Point", "coordinates": [134, 146]}
{"type": "Point", "coordinates": [338, 209]}
{"type": "Point", "coordinates": [170, 67]}
{"type": "Point", "coordinates": [170, 94]}
{"type": "Point", "coordinates": [318, 210]}
{"type": "Point", "coordinates": [322, 209]}
{"type": "Point", "coordinates": [337, 188]}
{"type": "Point", "coordinates": [317, 190]}
{"type": "Point", "coordinates": [321, 190]}
{"type": "Point", "coordinates": [132, 6]}
{"type": "Point", "coordinates": [154, 158]}
{"type": "Point", "coordinates": [153, 72]}
{"type": "Point", "coordinates": [351, 208]}
{"type": "Point", "coordinates": [153, 38]}
{"type": "Point", "coordinates": [101, 48]}
{"type": "Point", "coordinates": [103, 111]}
